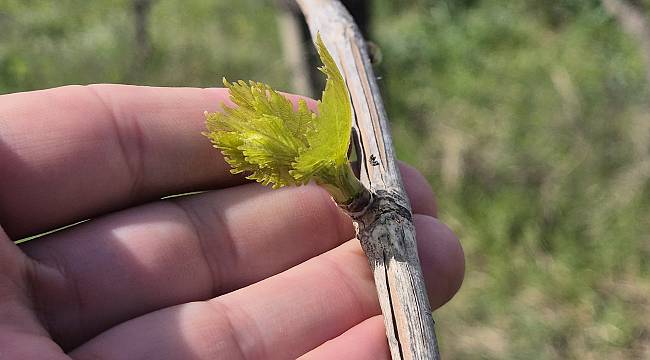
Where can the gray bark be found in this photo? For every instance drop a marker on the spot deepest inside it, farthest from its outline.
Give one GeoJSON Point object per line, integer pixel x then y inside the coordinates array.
{"type": "Point", "coordinates": [385, 226]}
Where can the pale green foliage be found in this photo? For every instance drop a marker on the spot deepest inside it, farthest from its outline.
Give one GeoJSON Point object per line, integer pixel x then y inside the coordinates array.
{"type": "Point", "coordinates": [330, 138]}
{"type": "Point", "coordinates": [264, 136]}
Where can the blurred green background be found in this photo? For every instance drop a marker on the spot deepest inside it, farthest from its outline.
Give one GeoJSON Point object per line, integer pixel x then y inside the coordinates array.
{"type": "Point", "coordinates": [530, 118]}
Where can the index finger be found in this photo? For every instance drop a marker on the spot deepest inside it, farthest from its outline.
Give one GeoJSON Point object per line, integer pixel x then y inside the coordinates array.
{"type": "Point", "coordinates": [74, 152]}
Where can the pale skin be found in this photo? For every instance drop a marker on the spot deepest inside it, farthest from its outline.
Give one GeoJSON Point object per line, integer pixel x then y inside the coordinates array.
{"type": "Point", "coordinates": [238, 272]}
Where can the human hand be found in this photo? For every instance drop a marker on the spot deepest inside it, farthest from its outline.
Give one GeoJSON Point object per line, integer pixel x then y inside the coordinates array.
{"type": "Point", "coordinates": [237, 272]}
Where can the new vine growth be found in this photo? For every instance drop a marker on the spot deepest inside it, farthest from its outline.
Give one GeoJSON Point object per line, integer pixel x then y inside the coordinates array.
{"type": "Point", "coordinates": [278, 145]}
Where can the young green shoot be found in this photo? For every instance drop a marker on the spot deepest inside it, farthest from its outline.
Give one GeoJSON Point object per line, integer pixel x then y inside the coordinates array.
{"type": "Point", "coordinates": [279, 145]}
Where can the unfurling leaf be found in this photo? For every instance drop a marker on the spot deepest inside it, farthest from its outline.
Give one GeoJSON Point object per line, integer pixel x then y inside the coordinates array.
{"type": "Point", "coordinates": [329, 139]}
{"type": "Point", "coordinates": [264, 135]}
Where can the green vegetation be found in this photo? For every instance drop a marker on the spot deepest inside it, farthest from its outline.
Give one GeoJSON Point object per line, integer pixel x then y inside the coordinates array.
{"type": "Point", "coordinates": [530, 118]}
{"type": "Point", "coordinates": [265, 137]}
{"type": "Point", "coordinates": [535, 133]}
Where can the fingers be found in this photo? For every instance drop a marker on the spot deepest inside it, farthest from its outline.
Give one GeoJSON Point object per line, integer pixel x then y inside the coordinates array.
{"type": "Point", "coordinates": [74, 152]}
{"type": "Point", "coordinates": [21, 334]}
{"type": "Point", "coordinates": [15, 297]}
{"type": "Point", "coordinates": [124, 265]}
{"type": "Point", "coordinates": [139, 260]}
{"type": "Point", "coordinates": [419, 191]}
{"type": "Point", "coordinates": [441, 258]}
{"type": "Point", "coordinates": [366, 340]}
{"type": "Point", "coordinates": [280, 317]}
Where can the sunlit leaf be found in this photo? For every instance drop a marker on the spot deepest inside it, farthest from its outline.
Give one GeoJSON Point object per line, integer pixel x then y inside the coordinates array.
{"type": "Point", "coordinates": [329, 138]}
{"type": "Point", "coordinates": [278, 145]}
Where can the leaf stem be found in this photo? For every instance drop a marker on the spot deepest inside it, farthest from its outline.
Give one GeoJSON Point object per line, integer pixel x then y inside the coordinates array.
{"type": "Point", "coordinates": [348, 192]}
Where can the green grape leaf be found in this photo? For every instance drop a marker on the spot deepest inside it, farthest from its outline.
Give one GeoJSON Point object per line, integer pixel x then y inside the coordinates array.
{"type": "Point", "coordinates": [329, 138]}
{"type": "Point", "coordinates": [262, 135]}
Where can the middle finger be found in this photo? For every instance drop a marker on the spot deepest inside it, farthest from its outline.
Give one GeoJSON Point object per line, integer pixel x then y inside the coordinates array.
{"type": "Point", "coordinates": [106, 271]}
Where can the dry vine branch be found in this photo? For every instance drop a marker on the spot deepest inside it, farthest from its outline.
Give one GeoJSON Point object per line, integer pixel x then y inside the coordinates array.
{"type": "Point", "coordinates": [292, 47]}
{"type": "Point", "coordinates": [386, 230]}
